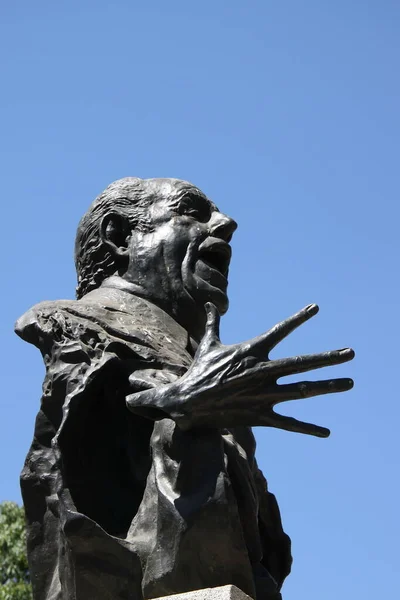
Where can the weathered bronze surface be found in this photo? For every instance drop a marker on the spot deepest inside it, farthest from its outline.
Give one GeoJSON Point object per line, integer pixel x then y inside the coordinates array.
{"type": "Point", "coordinates": [141, 480]}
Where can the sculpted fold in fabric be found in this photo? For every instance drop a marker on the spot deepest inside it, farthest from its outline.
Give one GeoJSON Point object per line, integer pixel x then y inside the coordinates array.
{"type": "Point", "coordinates": [112, 499]}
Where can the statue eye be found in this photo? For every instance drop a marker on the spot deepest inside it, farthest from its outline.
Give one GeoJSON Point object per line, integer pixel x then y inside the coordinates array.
{"type": "Point", "coordinates": [197, 207]}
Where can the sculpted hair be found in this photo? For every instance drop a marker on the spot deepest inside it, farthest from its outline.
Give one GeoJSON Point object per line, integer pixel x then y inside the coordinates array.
{"type": "Point", "coordinates": [128, 197]}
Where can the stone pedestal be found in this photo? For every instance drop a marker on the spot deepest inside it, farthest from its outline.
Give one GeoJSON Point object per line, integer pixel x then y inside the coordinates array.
{"type": "Point", "coordinates": [225, 592]}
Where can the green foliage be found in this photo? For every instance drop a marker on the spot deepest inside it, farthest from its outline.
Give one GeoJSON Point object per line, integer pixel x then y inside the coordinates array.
{"type": "Point", "coordinates": [14, 574]}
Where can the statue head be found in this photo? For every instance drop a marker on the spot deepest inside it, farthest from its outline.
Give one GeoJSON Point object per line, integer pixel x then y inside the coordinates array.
{"type": "Point", "coordinates": [163, 237]}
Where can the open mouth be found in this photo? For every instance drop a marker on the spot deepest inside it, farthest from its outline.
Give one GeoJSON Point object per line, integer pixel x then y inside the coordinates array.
{"type": "Point", "coordinates": [216, 254]}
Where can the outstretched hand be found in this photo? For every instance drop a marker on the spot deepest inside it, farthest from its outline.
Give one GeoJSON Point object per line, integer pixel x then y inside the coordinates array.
{"type": "Point", "coordinates": [235, 385]}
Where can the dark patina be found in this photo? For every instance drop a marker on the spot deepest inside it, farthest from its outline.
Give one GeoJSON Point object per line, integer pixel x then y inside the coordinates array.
{"type": "Point", "coordinates": [141, 480]}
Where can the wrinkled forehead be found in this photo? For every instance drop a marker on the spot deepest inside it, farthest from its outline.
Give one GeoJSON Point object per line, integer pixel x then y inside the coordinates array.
{"type": "Point", "coordinates": [173, 190]}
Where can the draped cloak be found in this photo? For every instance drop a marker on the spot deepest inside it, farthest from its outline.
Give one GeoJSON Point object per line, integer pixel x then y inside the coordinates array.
{"type": "Point", "coordinates": [121, 507]}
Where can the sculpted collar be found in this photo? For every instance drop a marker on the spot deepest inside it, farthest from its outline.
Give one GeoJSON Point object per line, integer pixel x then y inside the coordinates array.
{"type": "Point", "coordinates": [117, 294]}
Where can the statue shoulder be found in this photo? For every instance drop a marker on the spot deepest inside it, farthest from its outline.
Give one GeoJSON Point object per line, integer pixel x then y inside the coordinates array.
{"type": "Point", "coordinates": [42, 321]}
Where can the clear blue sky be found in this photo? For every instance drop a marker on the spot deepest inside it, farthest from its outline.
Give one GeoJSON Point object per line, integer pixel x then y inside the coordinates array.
{"type": "Point", "coordinates": [287, 115]}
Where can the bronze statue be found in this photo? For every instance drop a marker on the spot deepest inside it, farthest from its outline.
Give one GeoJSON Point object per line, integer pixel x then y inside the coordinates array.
{"type": "Point", "coordinates": [141, 480]}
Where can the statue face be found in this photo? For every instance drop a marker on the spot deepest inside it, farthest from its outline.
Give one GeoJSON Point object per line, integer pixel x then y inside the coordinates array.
{"type": "Point", "coordinates": [186, 256]}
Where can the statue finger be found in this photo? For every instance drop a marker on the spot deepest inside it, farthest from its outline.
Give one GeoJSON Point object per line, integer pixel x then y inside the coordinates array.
{"type": "Point", "coordinates": [210, 338]}
{"type": "Point", "coordinates": [213, 320]}
{"type": "Point", "coordinates": [308, 389]}
{"type": "Point", "coordinates": [267, 341]}
{"type": "Point", "coordinates": [308, 362]}
{"type": "Point", "coordinates": [291, 424]}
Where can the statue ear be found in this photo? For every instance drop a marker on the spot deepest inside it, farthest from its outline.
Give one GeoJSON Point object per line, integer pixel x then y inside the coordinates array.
{"type": "Point", "coordinates": [115, 233]}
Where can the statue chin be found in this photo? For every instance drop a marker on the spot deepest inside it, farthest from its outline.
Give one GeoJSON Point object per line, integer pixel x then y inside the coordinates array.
{"type": "Point", "coordinates": [210, 289]}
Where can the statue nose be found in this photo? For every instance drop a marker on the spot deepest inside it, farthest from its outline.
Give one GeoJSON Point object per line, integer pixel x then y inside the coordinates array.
{"type": "Point", "coordinates": [222, 226]}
